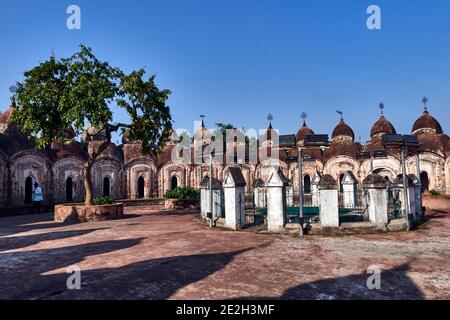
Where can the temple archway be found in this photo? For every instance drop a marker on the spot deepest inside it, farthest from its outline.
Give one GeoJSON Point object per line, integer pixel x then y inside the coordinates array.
{"type": "Point", "coordinates": [29, 190]}
{"type": "Point", "coordinates": [174, 182]}
{"type": "Point", "coordinates": [141, 187]}
{"type": "Point", "coordinates": [424, 181]}
{"type": "Point", "coordinates": [307, 184]}
{"type": "Point", "coordinates": [106, 187]}
{"type": "Point", "coordinates": [69, 189]}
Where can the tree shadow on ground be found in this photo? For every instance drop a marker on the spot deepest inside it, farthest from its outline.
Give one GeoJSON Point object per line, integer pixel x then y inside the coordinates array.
{"type": "Point", "coordinates": [17, 242]}
{"type": "Point", "coordinates": [154, 279]}
{"type": "Point", "coordinates": [19, 224]}
{"type": "Point", "coordinates": [22, 272]}
{"type": "Point", "coordinates": [395, 285]}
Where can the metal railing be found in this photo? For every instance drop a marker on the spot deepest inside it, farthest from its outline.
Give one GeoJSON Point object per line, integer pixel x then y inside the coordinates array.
{"type": "Point", "coordinates": [353, 206]}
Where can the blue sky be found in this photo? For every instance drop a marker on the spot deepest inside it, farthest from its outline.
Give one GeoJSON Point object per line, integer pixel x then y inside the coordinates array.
{"type": "Point", "coordinates": [237, 60]}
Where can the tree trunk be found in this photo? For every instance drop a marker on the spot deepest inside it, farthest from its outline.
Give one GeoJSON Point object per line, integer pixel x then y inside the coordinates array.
{"type": "Point", "coordinates": [88, 182]}
{"type": "Point", "coordinates": [92, 157]}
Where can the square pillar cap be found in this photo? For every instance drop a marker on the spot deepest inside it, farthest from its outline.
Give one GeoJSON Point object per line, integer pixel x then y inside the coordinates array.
{"type": "Point", "coordinates": [375, 181]}
{"type": "Point", "coordinates": [216, 183]}
{"type": "Point", "coordinates": [328, 183]}
{"type": "Point", "coordinates": [234, 178]}
{"type": "Point", "coordinates": [276, 178]}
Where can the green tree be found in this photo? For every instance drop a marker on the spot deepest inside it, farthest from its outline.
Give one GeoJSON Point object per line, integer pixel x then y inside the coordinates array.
{"type": "Point", "coordinates": [77, 93]}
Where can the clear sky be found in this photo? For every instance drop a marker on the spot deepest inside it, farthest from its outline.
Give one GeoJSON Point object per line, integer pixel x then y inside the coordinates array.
{"type": "Point", "coordinates": [237, 60]}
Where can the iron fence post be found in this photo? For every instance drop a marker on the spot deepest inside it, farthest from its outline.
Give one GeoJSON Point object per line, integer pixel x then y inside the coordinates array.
{"type": "Point", "coordinates": [300, 188]}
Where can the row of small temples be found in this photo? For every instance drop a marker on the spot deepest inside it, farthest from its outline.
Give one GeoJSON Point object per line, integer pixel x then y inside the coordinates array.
{"type": "Point", "coordinates": [124, 172]}
{"type": "Point", "coordinates": [381, 205]}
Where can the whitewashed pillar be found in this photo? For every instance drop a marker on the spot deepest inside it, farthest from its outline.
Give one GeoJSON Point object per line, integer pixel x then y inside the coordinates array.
{"type": "Point", "coordinates": [217, 197]}
{"type": "Point", "coordinates": [329, 202]}
{"type": "Point", "coordinates": [276, 200]}
{"type": "Point", "coordinates": [377, 200]}
{"type": "Point", "coordinates": [234, 194]}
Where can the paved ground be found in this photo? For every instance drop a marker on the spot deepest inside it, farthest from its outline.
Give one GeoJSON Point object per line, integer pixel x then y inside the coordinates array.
{"type": "Point", "coordinates": [162, 255]}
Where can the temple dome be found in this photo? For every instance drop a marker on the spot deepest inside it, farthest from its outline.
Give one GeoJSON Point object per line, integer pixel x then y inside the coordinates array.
{"type": "Point", "coordinates": [303, 132]}
{"type": "Point", "coordinates": [426, 124]}
{"type": "Point", "coordinates": [343, 131]}
{"type": "Point", "coordinates": [381, 127]}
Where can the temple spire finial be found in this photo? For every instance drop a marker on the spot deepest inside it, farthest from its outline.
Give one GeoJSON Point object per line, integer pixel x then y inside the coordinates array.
{"type": "Point", "coordinates": [341, 114]}
{"type": "Point", "coordinates": [304, 115]}
{"type": "Point", "coordinates": [381, 106]}
{"type": "Point", "coordinates": [270, 119]}
{"type": "Point", "coordinates": [425, 101]}
{"type": "Point", "coordinates": [203, 120]}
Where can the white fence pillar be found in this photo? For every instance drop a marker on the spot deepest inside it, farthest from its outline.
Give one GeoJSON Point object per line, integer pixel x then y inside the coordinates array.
{"type": "Point", "coordinates": [276, 200]}
{"type": "Point", "coordinates": [217, 198]}
{"type": "Point", "coordinates": [329, 202]}
{"type": "Point", "coordinates": [234, 190]}
{"type": "Point", "coordinates": [377, 198]}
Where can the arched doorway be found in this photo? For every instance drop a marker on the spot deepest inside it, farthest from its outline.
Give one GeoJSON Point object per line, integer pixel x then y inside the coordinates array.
{"type": "Point", "coordinates": [341, 180]}
{"type": "Point", "coordinates": [141, 187]}
{"type": "Point", "coordinates": [106, 187]}
{"type": "Point", "coordinates": [174, 182]}
{"type": "Point", "coordinates": [29, 190]}
{"type": "Point", "coordinates": [69, 189]}
{"type": "Point", "coordinates": [425, 182]}
{"type": "Point", "coordinates": [307, 184]}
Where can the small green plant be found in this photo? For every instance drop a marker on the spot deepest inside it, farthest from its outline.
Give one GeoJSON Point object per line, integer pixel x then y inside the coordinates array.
{"type": "Point", "coordinates": [185, 193]}
{"type": "Point", "coordinates": [435, 193]}
{"type": "Point", "coordinates": [102, 201]}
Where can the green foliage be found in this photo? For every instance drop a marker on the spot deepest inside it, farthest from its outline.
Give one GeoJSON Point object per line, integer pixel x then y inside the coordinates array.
{"type": "Point", "coordinates": [76, 91]}
{"type": "Point", "coordinates": [102, 201]}
{"type": "Point", "coordinates": [146, 106]}
{"type": "Point", "coordinates": [70, 93]}
{"type": "Point", "coordinates": [435, 193]}
{"type": "Point", "coordinates": [185, 193]}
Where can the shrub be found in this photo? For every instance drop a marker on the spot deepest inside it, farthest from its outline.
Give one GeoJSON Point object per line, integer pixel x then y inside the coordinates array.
{"type": "Point", "coordinates": [435, 193]}
{"type": "Point", "coordinates": [185, 193]}
{"type": "Point", "coordinates": [102, 201]}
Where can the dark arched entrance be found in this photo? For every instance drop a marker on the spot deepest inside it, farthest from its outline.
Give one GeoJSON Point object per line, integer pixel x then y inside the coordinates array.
{"type": "Point", "coordinates": [140, 187]}
{"type": "Point", "coordinates": [69, 189]}
{"type": "Point", "coordinates": [29, 190]}
{"type": "Point", "coordinates": [307, 184]}
{"type": "Point", "coordinates": [174, 182]}
{"type": "Point", "coordinates": [425, 182]}
{"type": "Point", "coordinates": [106, 187]}
{"type": "Point", "coordinates": [341, 180]}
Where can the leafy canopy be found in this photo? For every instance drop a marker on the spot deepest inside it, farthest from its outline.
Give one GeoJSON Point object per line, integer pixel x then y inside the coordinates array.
{"type": "Point", "coordinates": [72, 92]}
